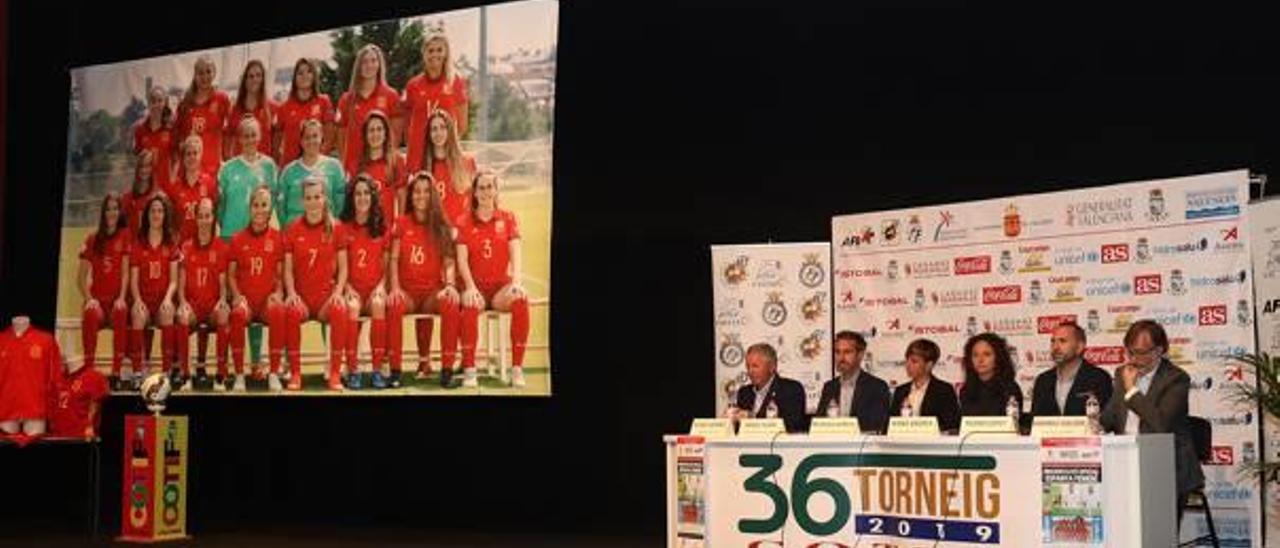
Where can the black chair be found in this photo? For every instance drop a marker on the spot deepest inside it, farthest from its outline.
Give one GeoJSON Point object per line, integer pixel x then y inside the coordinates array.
{"type": "Point", "coordinates": [1201, 440]}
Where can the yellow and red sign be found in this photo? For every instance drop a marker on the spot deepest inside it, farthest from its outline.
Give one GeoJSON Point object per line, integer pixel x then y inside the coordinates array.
{"type": "Point", "coordinates": [155, 479]}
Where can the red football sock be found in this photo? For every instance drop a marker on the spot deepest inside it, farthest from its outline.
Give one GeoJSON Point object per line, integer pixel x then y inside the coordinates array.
{"type": "Point", "coordinates": [90, 323]}
{"type": "Point", "coordinates": [239, 321]}
{"type": "Point", "coordinates": [448, 334]}
{"type": "Point", "coordinates": [378, 342]}
{"type": "Point", "coordinates": [119, 338]}
{"type": "Point", "coordinates": [149, 334]}
{"type": "Point", "coordinates": [469, 331]}
{"type": "Point", "coordinates": [395, 333]}
{"type": "Point", "coordinates": [337, 337]}
{"type": "Point", "coordinates": [167, 346]}
{"type": "Point", "coordinates": [182, 344]}
{"type": "Point", "coordinates": [519, 330]}
{"type": "Point", "coordinates": [202, 345]}
{"type": "Point", "coordinates": [293, 317]}
{"type": "Point", "coordinates": [424, 328]}
{"type": "Point", "coordinates": [224, 340]}
{"type": "Point", "coordinates": [353, 344]}
{"type": "Point", "coordinates": [135, 350]}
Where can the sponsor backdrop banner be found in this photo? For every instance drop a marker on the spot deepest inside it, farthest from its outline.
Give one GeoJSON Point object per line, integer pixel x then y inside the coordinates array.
{"type": "Point", "coordinates": [1264, 222]}
{"type": "Point", "coordinates": [774, 293]}
{"type": "Point", "coordinates": [1174, 250]}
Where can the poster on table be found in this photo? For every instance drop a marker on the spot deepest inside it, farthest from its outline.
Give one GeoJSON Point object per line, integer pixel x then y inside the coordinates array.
{"type": "Point", "coordinates": [1173, 250]}
{"type": "Point", "coordinates": [691, 492]}
{"type": "Point", "coordinates": [778, 294]}
{"type": "Point", "coordinates": [1071, 481]}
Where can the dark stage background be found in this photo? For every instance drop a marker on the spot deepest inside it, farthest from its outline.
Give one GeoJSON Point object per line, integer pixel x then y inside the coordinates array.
{"type": "Point", "coordinates": [679, 125]}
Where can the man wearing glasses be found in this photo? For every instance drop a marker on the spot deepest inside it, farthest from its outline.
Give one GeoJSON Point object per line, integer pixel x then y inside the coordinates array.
{"type": "Point", "coordinates": [1151, 398]}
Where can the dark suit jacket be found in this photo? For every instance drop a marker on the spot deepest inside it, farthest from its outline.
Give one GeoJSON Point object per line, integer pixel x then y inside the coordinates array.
{"type": "Point", "coordinates": [787, 394]}
{"type": "Point", "coordinates": [939, 401]}
{"type": "Point", "coordinates": [1163, 409]}
{"type": "Point", "coordinates": [1089, 379]}
{"type": "Point", "coordinates": [988, 399]}
{"type": "Point", "coordinates": [870, 401]}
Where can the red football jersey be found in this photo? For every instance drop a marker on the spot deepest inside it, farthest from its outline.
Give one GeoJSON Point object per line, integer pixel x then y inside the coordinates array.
{"type": "Point", "coordinates": [74, 394]}
{"type": "Point", "coordinates": [257, 258]}
{"type": "Point", "coordinates": [105, 267]}
{"type": "Point", "coordinates": [153, 266]}
{"type": "Point", "coordinates": [422, 96]}
{"type": "Point", "coordinates": [185, 197]}
{"type": "Point", "coordinates": [364, 257]}
{"type": "Point", "coordinates": [160, 143]}
{"type": "Point", "coordinates": [201, 267]}
{"type": "Point", "coordinates": [456, 204]}
{"type": "Point", "coordinates": [350, 117]}
{"type": "Point", "coordinates": [315, 255]}
{"type": "Point", "coordinates": [420, 264]}
{"type": "Point", "coordinates": [30, 366]}
{"type": "Point", "coordinates": [289, 118]}
{"type": "Point", "coordinates": [265, 116]}
{"type": "Point", "coordinates": [208, 121]}
{"type": "Point", "coordinates": [386, 189]}
{"type": "Point", "coordinates": [132, 204]}
{"type": "Point", "coordinates": [488, 252]}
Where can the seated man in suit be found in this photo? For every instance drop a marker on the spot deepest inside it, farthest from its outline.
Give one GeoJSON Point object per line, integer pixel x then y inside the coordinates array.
{"type": "Point", "coordinates": [855, 392]}
{"type": "Point", "coordinates": [1064, 390]}
{"type": "Point", "coordinates": [926, 395]}
{"type": "Point", "coordinates": [1151, 397]}
{"type": "Point", "coordinates": [767, 387]}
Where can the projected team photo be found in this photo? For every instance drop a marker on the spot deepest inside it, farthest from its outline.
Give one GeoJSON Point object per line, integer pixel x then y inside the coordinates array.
{"type": "Point", "coordinates": [364, 210]}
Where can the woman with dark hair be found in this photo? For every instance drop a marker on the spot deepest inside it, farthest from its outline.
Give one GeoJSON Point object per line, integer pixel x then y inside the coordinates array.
{"type": "Point", "coordinates": [252, 100]}
{"type": "Point", "coordinates": [153, 280]}
{"type": "Point", "coordinates": [988, 377]}
{"type": "Point", "coordinates": [305, 102]}
{"type": "Point", "coordinates": [368, 242]}
{"type": "Point", "coordinates": [103, 283]}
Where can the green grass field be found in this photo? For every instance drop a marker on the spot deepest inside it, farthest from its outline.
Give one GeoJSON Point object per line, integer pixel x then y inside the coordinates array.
{"type": "Point", "coordinates": [532, 205]}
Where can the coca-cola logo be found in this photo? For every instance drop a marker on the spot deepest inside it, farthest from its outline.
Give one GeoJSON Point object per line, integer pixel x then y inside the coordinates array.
{"type": "Point", "coordinates": [1046, 324]}
{"type": "Point", "coordinates": [980, 264]}
{"type": "Point", "coordinates": [1104, 355]}
{"type": "Point", "coordinates": [1002, 294]}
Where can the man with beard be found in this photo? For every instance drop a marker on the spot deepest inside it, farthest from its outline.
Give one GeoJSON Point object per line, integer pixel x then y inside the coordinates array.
{"type": "Point", "coordinates": [1065, 389]}
{"type": "Point", "coordinates": [855, 392]}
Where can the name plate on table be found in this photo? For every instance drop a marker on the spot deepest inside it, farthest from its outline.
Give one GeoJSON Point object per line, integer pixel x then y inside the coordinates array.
{"type": "Point", "coordinates": [712, 428]}
{"type": "Point", "coordinates": [1051, 427]}
{"type": "Point", "coordinates": [913, 427]}
{"type": "Point", "coordinates": [834, 427]}
{"type": "Point", "coordinates": [760, 428]}
{"type": "Point", "coordinates": [999, 425]}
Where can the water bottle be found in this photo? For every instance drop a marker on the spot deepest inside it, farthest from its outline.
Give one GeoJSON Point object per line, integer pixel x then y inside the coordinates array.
{"type": "Point", "coordinates": [1011, 409]}
{"type": "Point", "coordinates": [731, 412]}
{"type": "Point", "coordinates": [907, 411]}
{"type": "Point", "coordinates": [772, 410]}
{"type": "Point", "coordinates": [1093, 410]}
{"type": "Point", "coordinates": [833, 409]}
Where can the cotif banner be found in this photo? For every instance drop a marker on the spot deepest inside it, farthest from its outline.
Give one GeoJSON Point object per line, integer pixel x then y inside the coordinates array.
{"type": "Point", "coordinates": [778, 294]}
{"type": "Point", "coordinates": [1172, 250]}
{"type": "Point", "coordinates": [155, 479]}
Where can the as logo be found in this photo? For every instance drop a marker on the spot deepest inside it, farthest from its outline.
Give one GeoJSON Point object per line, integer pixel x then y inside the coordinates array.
{"type": "Point", "coordinates": [1214, 314]}
{"type": "Point", "coordinates": [812, 274]}
{"type": "Point", "coordinates": [774, 312]}
{"type": "Point", "coordinates": [1115, 253]}
{"type": "Point", "coordinates": [1148, 284]}
{"type": "Point", "coordinates": [1222, 455]}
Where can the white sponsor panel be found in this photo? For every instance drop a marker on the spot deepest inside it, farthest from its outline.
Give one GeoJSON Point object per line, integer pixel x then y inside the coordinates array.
{"type": "Point", "coordinates": [1264, 233]}
{"type": "Point", "coordinates": [778, 294]}
{"type": "Point", "coordinates": [1174, 250]}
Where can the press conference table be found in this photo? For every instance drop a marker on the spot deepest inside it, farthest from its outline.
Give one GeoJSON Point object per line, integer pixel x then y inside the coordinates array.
{"type": "Point", "coordinates": [978, 490]}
